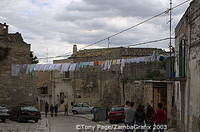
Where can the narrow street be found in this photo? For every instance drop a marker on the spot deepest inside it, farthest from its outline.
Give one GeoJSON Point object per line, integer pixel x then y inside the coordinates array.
{"type": "Point", "coordinates": [67, 124]}
{"type": "Point", "coordinates": [55, 124]}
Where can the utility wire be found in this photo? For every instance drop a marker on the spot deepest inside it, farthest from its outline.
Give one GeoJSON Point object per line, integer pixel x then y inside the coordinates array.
{"type": "Point", "coordinates": [148, 42]}
{"type": "Point", "coordinates": [164, 12]}
{"type": "Point", "coordinates": [142, 43]}
{"type": "Point", "coordinates": [107, 38]}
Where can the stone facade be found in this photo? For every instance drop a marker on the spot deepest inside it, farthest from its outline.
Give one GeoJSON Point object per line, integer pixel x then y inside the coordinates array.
{"type": "Point", "coordinates": [44, 87]}
{"type": "Point", "coordinates": [107, 88]}
{"type": "Point", "coordinates": [55, 88]}
{"type": "Point", "coordinates": [13, 50]}
{"type": "Point", "coordinates": [188, 69]}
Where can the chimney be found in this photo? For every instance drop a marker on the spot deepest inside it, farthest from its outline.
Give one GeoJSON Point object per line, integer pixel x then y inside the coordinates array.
{"type": "Point", "coordinates": [75, 49]}
{"type": "Point", "coordinates": [3, 29]}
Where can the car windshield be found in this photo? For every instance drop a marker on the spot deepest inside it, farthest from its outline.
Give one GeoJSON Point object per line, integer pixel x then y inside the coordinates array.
{"type": "Point", "coordinates": [29, 108]}
{"type": "Point", "coordinates": [2, 107]}
{"type": "Point", "coordinates": [117, 109]}
{"type": "Point", "coordinates": [77, 105]}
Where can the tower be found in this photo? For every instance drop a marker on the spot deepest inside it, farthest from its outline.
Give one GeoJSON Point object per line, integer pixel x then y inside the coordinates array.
{"type": "Point", "coordinates": [75, 49]}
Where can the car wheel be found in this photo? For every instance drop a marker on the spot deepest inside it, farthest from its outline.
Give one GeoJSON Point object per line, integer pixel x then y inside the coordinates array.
{"type": "Point", "coordinates": [91, 111]}
{"type": "Point", "coordinates": [111, 121]}
{"type": "Point", "coordinates": [3, 120]}
{"type": "Point", "coordinates": [74, 112]}
{"type": "Point", "coordinates": [19, 119]}
{"type": "Point", "coordinates": [36, 121]}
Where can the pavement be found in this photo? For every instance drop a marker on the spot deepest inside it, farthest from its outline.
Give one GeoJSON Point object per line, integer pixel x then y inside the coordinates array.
{"type": "Point", "coordinates": [60, 123]}
{"type": "Point", "coordinates": [90, 117]}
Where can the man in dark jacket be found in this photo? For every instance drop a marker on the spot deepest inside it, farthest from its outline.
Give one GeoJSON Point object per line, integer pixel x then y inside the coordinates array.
{"type": "Point", "coordinates": [46, 109]}
{"type": "Point", "coordinates": [51, 110]}
{"type": "Point", "coordinates": [140, 117]}
{"type": "Point", "coordinates": [66, 109]}
{"type": "Point", "coordinates": [56, 109]}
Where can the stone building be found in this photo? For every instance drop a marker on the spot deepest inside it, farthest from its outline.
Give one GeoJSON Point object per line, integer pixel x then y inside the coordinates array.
{"type": "Point", "coordinates": [107, 88]}
{"type": "Point", "coordinates": [54, 88]}
{"type": "Point", "coordinates": [188, 69]}
{"type": "Point", "coordinates": [14, 89]}
{"type": "Point", "coordinates": [44, 87]}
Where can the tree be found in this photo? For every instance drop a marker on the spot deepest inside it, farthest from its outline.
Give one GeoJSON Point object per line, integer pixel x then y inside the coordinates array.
{"type": "Point", "coordinates": [33, 58]}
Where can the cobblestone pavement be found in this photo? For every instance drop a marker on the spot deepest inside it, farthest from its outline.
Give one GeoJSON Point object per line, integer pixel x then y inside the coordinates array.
{"type": "Point", "coordinates": [53, 124]}
{"type": "Point", "coordinates": [12, 126]}
{"type": "Point", "coordinates": [69, 123]}
{"type": "Point", "coordinates": [50, 124]}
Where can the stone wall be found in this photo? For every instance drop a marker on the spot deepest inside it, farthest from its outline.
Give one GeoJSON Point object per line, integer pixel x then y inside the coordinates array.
{"type": "Point", "coordinates": [107, 88]}
{"type": "Point", "coordinates": [189, 29]}
{"type": "Point", "coordinates": [15, 89]}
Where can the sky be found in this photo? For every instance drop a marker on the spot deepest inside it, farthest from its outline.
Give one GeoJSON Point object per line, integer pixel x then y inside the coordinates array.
{"type": "Point", "coordinates": [52, 27]}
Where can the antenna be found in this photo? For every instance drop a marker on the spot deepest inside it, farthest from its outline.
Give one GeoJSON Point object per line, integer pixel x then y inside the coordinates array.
{"type": "Point", "coordinates": [108, 42]}
{"type": "Point", "coordinates": [47, 55]}
{"type": "Point", "coordinates": [170, 37]}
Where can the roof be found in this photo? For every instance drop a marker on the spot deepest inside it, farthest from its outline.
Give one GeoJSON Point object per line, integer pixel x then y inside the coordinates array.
{"type": "Point", "coordinates": [114, 53]}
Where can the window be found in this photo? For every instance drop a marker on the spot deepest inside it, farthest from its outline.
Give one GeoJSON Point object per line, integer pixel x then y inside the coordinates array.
{"type": "Point", "coordinates": [182, 51]}
{"type": "Point", "coordinates": [66, 75]}
{"type": "Point", "coordinates": [43, 90]}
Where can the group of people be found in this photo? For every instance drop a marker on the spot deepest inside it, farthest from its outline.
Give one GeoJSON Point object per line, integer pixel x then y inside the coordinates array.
{"type": "Point", "coordinates": [141, 115]}
{"type": "Point", "coordinates": [54, 109]}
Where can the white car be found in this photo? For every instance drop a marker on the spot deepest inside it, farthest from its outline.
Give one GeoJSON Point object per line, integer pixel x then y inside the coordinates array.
{"type": "Point", "coordinates": [82, 108]}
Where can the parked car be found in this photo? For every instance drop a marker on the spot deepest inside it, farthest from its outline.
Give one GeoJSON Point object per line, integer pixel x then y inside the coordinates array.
{"type": "Point", "coordinates": [4, 113]}
{"type": "Point", "coordinates": [82, 108]}
{"type": "Point", "coordinates": [25, 113]}
{"type": "Point", "coordinates": [116, 114]}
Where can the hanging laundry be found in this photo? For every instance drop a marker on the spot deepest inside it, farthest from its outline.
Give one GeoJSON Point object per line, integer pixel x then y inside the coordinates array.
{"type": "Point", "coordinates": [91, 63]}
{"type": "Point", "coordinates": [78, 66]}
{"type": "Point", "coordinates": [37, 67]}
{"type": "Point", "coordinates": [72, 67]}
{"type": "Point", "coordinates": [65, 67]}
{"type": "Point", "coordinates": [23, 68]}
{"type": "Point", "coordinates": [98, 62]}
{"type": "Point", "coordinates": [118, 61]}
{"type": "Point", "coordinates": [15, 69]}
{"type": "Point", "coordinates": [114, 62]}
{"type": "Point", "coordinates": [123, 61]}
{"type": "Point", "coordinates": [107, 65]}
{"type": "Point", "coordinates": [57, 67]}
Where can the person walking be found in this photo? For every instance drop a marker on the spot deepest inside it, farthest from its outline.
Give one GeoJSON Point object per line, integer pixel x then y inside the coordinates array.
{"type": "Point", "coordinates": [56, 109]}
{"type": "Point", "coordinates": [149, 117]}
{"type": "Point", "coordinates": [46, 109]}
{"type": "Point", "coordinates": [66, 109]}
{"type": "Point", "coordinates": [140, 117]}
{"type": "Point", "coordinates": [160, 116]}
{"type": "Point", "coordinates": [51, 110]}
{"type": "Point", "coordinates": [130, 115]}
{"type": "Point", "coordinates": [127, 104]}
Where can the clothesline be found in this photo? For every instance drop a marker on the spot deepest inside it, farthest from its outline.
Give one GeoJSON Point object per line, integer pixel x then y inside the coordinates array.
{"type": "Point", "coordinates": [66, 67]}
